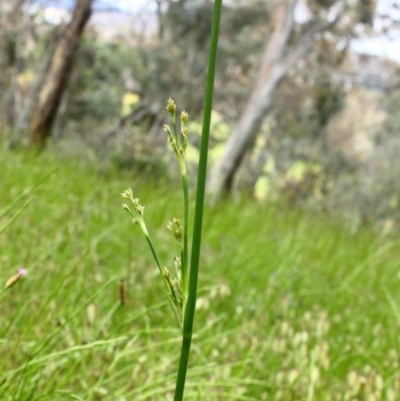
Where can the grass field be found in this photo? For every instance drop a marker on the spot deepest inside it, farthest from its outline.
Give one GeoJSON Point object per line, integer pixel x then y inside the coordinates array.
{"type": "Point", "coordinates": [292, 305]}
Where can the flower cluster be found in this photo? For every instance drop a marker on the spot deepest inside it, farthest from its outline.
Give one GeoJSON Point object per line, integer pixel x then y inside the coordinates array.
{"type": "Point", "coordinates": [175, 285]}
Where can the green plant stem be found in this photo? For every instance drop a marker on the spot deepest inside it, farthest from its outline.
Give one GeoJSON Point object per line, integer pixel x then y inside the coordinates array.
{"type": "Point", "coordinates": [175, 129]}
{"type": "Point", "coordinates": [184, 252]}
{"type": "Point", "coordinates": [154, 253]}
{"type": "Point", "coordinates": [159, 265]}
{"type": "Point", "coordinates": [198, 217]}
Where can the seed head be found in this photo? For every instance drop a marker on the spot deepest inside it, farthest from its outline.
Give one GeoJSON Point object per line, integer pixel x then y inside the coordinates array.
{"type": "Point", "coordinates": [126, 207]}
{"type": "Point", "coordinates": [127, 194]}
{"type": "Point", "coordinates": [184, 117]}
{"type": "Point", "coordinates": [171, 107]}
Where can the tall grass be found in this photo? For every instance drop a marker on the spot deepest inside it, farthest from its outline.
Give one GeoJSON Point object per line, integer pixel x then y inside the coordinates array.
{"type": "Point", "coordinates": [292, 306]}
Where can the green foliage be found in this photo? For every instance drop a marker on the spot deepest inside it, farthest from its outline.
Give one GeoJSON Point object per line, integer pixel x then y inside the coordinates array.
{"type": "Point", "coordinates": [179, 59]}
{"type": "Point", "coordinates": [96, 88]}
{"type": "Point", "coordinates": [303, 109]}
{"type": "Point", "coordinates": [290, 302]}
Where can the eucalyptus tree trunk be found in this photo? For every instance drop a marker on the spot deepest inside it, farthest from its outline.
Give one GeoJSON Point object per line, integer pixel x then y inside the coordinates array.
{"type": "Point", "coordinates": [56, 79]}
{"type": "Point", "coordinates": [278, 58]}
{"type": "Point", "coordinates": [23, 118]}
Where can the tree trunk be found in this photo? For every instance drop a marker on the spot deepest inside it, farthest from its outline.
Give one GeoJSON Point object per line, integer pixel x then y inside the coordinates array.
{"type": "Point", "coordinates": [56, 80]}
{"type": "Point", "coordinates": [276, 62]}
{"type": "Point", "coordinates": [24, 115]}
{"type": "Point", "coordinates": [60, 121]}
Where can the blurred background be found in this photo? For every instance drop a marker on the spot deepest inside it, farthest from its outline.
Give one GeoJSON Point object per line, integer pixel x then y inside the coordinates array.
{"type": "Point", "coordinates": [306, 106]}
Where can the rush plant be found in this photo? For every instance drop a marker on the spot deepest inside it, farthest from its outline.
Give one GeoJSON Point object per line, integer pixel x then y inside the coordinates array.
{"type": "Point", "coordinates": [181, 287]}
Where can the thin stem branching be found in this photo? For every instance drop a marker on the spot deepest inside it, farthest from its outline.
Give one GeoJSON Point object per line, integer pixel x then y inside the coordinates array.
{"type": "Point", "coordinates": [182, 290]}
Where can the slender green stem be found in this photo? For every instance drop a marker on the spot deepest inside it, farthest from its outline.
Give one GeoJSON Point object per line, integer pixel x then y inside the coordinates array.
{"type": "Point", "coordinates": [153, 251]}
{"type": "Point", "coordinates": [175, 129]}
{"type": "Point", "coordinates": [198, 218]}
{"type": "Point", "coordinates": [184, 253]}
{"type": "Point", "coordinates": [159, 265]}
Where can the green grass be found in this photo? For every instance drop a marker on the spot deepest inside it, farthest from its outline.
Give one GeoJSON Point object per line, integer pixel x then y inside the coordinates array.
{"type": "Point", "coordinates": [292, 306]}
